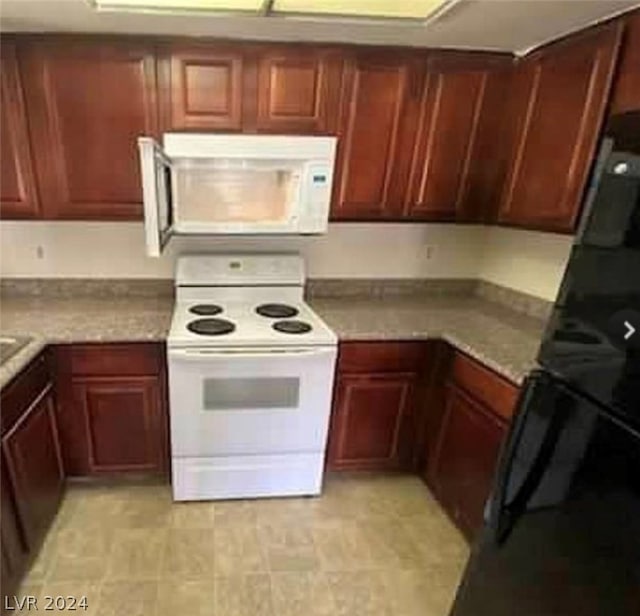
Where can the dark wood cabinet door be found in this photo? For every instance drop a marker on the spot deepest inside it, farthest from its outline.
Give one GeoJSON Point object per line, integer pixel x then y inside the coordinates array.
{"type": "Point", "coordinates": [560, 93]}
{"type": "Point", "coordinates": [447, 132]}
{"type": "Point", "coordinates": [376, 93]}
{"type": "Point", "coordinates": [124, 423]}
{"type": "Point", "coordinates": [298, 91]}
{"type": "Point", "coordinates": [88, 103]}
{"type": "Point", "coordinates": [368, 424]}
{"type": "Point", "coordinates": [626, 89]}
{"type": "Point", "coordinates": [18, 193]}
{"type": "Point", "coordinates": [12, 549]}
{"type": "Point", "coordinates": [205, 88]}
{"type": "Point", "coordinates": [34, 466]}
{"type": "Point", "coordinates": [490, 155]}
{"type": "Point", "coordinates": [464, 460]}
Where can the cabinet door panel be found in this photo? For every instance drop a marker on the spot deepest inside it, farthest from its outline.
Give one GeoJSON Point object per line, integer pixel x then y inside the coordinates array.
{"type": "Point", "coordinates": [368, 421]}
{"type": "Point", "coordinates": [13, 550]}
{"type": "Point", "coordinates": [447, 132]}
{"type": "Point", "coordinates": [465, 458]}
{"type": "Point", "coordinates": [206, 88]}
{"type": "Point", "coordinates": [32, 455]}
{"type": "Point", "coordinates": [297, 91]}
{"type": "Point", "coordinates": [483, 184]}
{"type": "Point", "coordinates": [88, 103]}
{"type": "Point", "coordinates": [123, 421]}
{"type": "Point", "coordinates": [626, 89]}
{"type": "Point", "coordinates": [373, 101]}
{"type": "Point", "coordinates": [18, 196]}
{"type": "Point", "coordinates": [566, 88]}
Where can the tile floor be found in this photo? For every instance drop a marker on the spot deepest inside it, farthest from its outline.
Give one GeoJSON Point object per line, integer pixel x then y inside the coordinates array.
{"type": "Point", "coordinates": [371, 545]}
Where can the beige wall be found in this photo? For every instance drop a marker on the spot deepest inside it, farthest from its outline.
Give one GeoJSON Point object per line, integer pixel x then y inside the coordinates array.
{"type": "Point", "coordinates": [526, 261]}
{"type": "Point", "coordinates": [523, 260]}
{"type": "Point", "coordinates": [67, 249]}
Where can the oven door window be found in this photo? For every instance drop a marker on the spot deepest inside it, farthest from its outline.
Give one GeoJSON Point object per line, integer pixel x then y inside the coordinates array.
{"type": "Point", "coordinates": [226, 394]}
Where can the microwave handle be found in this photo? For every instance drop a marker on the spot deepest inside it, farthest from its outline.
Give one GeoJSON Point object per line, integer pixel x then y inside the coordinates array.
{"type": "Point", "coordinates": [204, 354]}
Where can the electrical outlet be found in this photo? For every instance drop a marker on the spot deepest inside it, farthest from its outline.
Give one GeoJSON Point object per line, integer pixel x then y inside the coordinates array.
{"type": "Point", "coordinates": [39, 252]}
{"type": "Point", "coordinates": [428, 252]}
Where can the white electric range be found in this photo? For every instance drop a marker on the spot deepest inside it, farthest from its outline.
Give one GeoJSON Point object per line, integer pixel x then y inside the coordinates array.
{"type": "Point", "coordinates": [251, 370]}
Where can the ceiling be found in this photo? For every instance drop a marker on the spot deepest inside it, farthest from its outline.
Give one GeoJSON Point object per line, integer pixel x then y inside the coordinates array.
{"type": "Point", "coordinates": [504, 25]}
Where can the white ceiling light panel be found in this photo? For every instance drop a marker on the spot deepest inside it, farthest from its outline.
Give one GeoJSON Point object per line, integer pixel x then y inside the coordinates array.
{"type": "Point", "coordinates": [229, 6]}
{"type": "Point", "coordinates": [367, 9]}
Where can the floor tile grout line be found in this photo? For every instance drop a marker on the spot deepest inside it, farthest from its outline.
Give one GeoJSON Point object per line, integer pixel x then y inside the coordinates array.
{"type": "Point", "coordinates": [308, 517]}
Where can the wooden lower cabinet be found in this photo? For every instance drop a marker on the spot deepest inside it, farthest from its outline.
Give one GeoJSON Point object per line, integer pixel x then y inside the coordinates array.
{"type": "Point", "coordinates": [369, 428]}
{"type": "Point", "coordinates": [31, 472]}
{"type": "Point", "coordinates": [111, 408]}
{"type": "Point", "coordinates": [465, 440]}
{"type": "Point", "coordinates": [123, 422]}
{"type": "Point", "coordinates": [375, 405]}
{"type": "Point", "coordinates": [14, 554]}
{"type": "Point", "coordinates": [465, 458]}
{"type": "Point", "coordinates": [32, 455]}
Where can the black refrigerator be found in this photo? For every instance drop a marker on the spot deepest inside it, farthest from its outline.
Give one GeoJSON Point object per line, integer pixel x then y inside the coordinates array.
{"type": "Point", "coordinates": [562, 526]}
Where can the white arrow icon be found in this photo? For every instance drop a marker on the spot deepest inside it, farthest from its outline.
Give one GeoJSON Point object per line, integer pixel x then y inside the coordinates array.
{"type": "Point", "coordinates": [630, 330]}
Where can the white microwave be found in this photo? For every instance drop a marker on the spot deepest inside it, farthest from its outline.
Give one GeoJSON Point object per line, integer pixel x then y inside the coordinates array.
{"type": "Point", "coordinates": [200, 184]}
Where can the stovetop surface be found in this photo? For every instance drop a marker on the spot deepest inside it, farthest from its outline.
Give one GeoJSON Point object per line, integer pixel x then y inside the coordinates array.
{"type": "Point", "coordinates": [251, 329]}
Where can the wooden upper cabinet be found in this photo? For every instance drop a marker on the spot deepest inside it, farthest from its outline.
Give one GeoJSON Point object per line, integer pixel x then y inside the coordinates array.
{"type": "Point", "coordinates": [484, 180]}
{"type": "Point", "coordinates": [250, 88]}
{"type": "Point", "coordinates": [626, 89]}
{"type": "Point", "coordinates": [88, 102]}
{"type": "Point", "coordinates": [18, 194]}
{"type": "Point", "coordinates": [447, 133]}
{"type": "Point", "coordinates": [560, 94]}
{"type": "Point", "coordinates": [371, 166]}
{"type": "Point", "coordinates": [204, 87]}
{"type": "Point", "coordinates": [298, 90]}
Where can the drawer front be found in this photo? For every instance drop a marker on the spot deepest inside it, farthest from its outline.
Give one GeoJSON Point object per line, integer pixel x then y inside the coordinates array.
{"type": "Point", "coordinates": [23, 390]}
{"type": "Point", "coordinates": [108, 359]}
{"type": "Point", "coordinates": [485, 385]}
{"type": "Point", "coordinates": [366, 357]}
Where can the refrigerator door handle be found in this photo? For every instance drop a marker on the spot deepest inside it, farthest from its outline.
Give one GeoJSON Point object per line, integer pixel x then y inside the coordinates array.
{"type": "Point", "coordinates": [499, 493]}
{"type": "Point", "coordinates": [503, 515]}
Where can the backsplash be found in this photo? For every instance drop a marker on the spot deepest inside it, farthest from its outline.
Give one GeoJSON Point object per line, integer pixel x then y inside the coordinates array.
{"type": "Point", "coordinates": [520, 302]}
{"type": "Point", "coordinates": [315, 288]}
{"type": "Point", "coordinates": [401, 256]}
{"type": "Point", "coordinates": [385, 287]}
{"type": "Point", "coordinates": [87, 287]}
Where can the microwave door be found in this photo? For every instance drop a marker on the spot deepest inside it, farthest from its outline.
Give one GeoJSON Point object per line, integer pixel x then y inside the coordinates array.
{"type": "Point", "coordinates": [157, 195]}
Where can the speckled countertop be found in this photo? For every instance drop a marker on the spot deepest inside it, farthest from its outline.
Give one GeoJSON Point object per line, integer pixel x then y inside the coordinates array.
{"type": "Point", "coordinates": [80, 319]}
{"type": "Point", "coordinates": [504, 340]}
{"type": "Point", "coordinates": [500, 338]}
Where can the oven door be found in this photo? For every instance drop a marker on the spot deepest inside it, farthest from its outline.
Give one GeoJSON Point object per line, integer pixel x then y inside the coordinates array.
{"type": "Point", "coordinates": [229, 402]}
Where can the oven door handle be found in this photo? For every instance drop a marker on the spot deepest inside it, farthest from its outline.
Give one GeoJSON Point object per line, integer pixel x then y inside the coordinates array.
{"type": "Point", "coordinates": [245, 353]}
